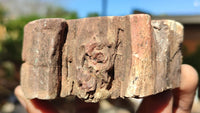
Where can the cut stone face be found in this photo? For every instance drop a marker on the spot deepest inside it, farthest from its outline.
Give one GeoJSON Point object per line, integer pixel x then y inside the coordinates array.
{"type": "Point", "coordinates": [39, 82]}
{"type": "Point", "coordinates": [168, 53]}
{"type": "Point", "coordinates": [101, 57]}
{"type": "Point", "coordinates": [42, 51]}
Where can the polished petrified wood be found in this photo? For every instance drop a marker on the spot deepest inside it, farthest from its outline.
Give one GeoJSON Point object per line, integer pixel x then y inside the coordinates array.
{"type": "Point", "coordinates": [101, 57]}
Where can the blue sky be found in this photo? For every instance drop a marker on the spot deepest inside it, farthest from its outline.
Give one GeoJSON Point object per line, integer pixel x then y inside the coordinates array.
{"type": "Point", "coordinates": [125, 7]}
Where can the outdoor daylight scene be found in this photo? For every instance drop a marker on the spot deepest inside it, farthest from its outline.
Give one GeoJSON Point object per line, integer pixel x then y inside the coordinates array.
{"type": "Point", "coordinates": [99, 56]}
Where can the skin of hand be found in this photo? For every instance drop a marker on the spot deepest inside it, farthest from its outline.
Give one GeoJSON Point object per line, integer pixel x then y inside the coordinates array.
{"type": "Point", "coordinates": [44, 106]}
{"type": "Point", "coordinates": [178, 100]}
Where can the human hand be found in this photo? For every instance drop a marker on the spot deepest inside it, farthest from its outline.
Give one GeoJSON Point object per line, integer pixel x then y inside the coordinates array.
{"type": "Point", "coordinates": [178, 100]}
{"type": "Point", "coordinates": [45, 106]}
{"type": "Point", "coordinates": [172, 101]}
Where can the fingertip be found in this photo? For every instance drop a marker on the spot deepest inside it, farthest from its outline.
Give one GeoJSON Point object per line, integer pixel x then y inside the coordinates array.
{"type": "Point", "coordinates": [17, 90]}
{"type": "Point", "coordinates": [20, 96]}
{"type": "Point", "coordinates": [189, 78]}
{"type": "Point", "coordinates": [184, 95]}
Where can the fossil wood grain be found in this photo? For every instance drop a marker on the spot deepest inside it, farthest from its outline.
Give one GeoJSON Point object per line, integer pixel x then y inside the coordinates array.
{"type": "Point", "coordinates": [42, 53]}
{"type": "Point", "coordinates": [101, 57]}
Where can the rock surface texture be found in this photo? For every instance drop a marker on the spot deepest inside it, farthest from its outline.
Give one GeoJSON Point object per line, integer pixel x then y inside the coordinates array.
{"type": "Point", "coordinates": [101, 57]}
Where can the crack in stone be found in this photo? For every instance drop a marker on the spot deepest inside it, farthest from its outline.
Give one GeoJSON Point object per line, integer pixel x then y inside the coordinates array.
{"type": "Point", "coordinates": [63, 35]}
{"type": "Point", "coordinates": [175, 54]}
{"type": "Point", "coordinates": [111, 70]}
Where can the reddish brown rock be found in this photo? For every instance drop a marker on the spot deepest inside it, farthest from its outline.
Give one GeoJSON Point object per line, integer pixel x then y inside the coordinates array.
{"type": "Point", "coordinates": [40, 82]}
{"type": "Point", "coordinates": [43, 41]}
{"type": "Point", "coordinates": [103, 57]}
{"type": "Point", "coordinates": [120, 57]}
{"type": "Point", "coordinates": [42, 51]}
{"type": "Point", "coordinates": [168, 53]}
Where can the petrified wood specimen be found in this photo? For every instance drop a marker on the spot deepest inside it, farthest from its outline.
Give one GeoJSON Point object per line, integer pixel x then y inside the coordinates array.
{"type": "Point", "coordinates": [102, 57]}
{"type": "Point", "coordinates": [42, 53]}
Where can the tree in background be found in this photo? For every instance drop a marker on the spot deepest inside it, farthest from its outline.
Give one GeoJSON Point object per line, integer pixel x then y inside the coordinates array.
{"type": "Point", "coordinates": [11, 46]}
{"type": "Point", "coordinates": [93, 15]}
{"type": "Point", "coordinates": [2, 14]}
{"type": "Point", "coordinates": [60, 12]}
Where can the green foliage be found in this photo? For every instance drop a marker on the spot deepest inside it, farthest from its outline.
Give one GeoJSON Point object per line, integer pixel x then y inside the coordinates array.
{"type": "Point", "coordinates": [93, 15]}
{"type": "Point", "coordinates": [11, 51]}
{"type": "Point", "coordinates": [2, 13]}
{"type": "Point", "coordinates": [8, 68]}
{"type": "Point", "coordinates": [60, 12]}
{"type": "Point", "coordinates": [11, 47]}
{"type": "Point", "coordinates": [18, 24]}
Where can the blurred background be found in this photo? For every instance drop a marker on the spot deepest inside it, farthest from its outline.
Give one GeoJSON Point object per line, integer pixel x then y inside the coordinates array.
{"type": "Point", "coordinates": [14, 14]}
